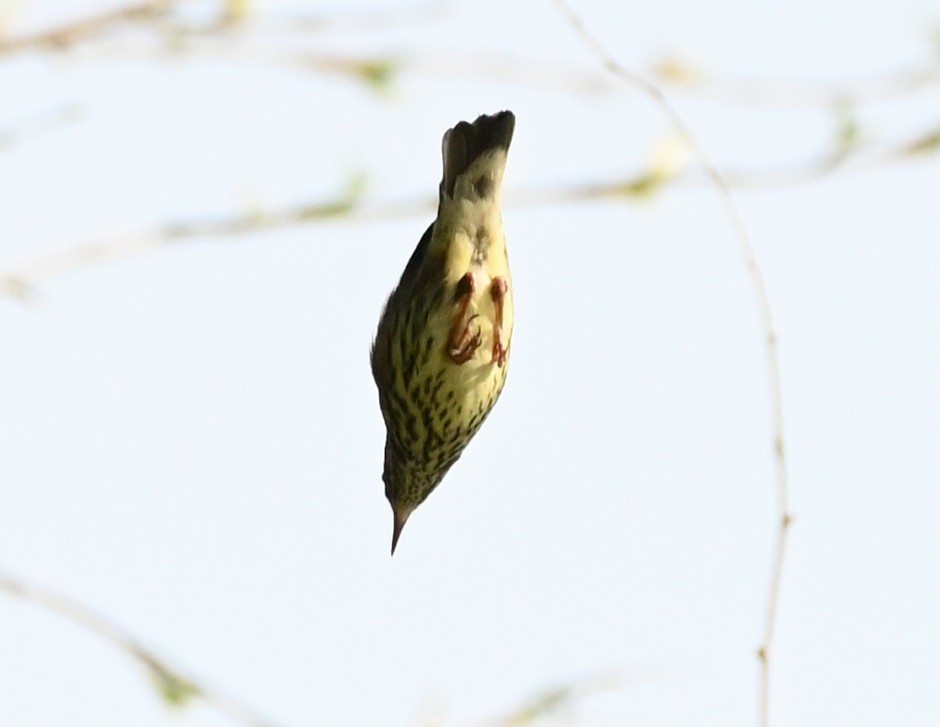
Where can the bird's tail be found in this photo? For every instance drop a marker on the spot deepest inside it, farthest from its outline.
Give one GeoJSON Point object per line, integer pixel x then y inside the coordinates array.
{"type": "Point", "coordinates": [467, 142]}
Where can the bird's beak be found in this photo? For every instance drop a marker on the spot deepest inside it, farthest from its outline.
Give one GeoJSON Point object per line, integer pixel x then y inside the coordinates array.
{"type": "Point", "coordinates": [400, 517]}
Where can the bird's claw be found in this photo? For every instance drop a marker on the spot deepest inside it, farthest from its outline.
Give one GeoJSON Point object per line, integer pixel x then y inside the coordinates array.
{"type": "Point", "coordinates": [498, 294]}
{"type": "Point", "coordinates": [499, 351]}
{"type": "Point", "coordinates": [462, 350]}
{"type": "Point", "coordinates": [463, 343]}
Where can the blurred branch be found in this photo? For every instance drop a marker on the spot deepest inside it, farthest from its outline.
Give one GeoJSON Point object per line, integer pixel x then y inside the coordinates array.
{"type": "Point", "coordinates": [173, 33]}
{"type": "Point", "coordinates": [666, 168]}
{"type": "Point", "coordinates": [179, 689]}
{"type": "Point", "coordinates": [157, 14]}
{"type": "Point", "coordinates": [374, 20]}
{"type": "Point", "coordinates": [770, 336]}
{"type": "Point", "coordinates": [552, 701]}
{"type": "Point", "coordinates": [378, 71]}
{"type": "Point", "coordinates": [173, 37]}
{"type": "Point", "coordinates": [501, 68]}
{"type": "Point", "coordinates": [688, 77]}
{"type": "Point", "coordinates": [847, 154]}
{"type": "Point", "coordinates": [505, 69]}
{"type": "Point", "coordinates": [20, 281]}
{"type": "Point", "coordinates": [175, 687]}
{"type": "Point", "coordinates": [92, 26]}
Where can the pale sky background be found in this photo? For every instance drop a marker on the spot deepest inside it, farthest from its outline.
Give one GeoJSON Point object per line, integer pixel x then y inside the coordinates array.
{"type": "Point", "coordinates": [191, 439]}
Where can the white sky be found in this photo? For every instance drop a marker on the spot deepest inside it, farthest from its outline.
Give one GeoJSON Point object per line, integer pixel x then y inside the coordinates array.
{"type": "Point", "coordinates": [192, 443]}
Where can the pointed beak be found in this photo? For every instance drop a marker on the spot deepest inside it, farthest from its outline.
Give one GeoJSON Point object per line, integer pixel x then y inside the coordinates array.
{"type": "Point", "coordinates": [400, 518]}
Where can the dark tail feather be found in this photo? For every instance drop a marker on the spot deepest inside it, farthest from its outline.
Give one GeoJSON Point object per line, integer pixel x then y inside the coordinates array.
{"type": "Point", "coordinates": [466, 142]}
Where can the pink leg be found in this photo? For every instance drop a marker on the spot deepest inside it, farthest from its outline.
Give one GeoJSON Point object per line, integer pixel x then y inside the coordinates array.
{"type": "Point", "coordinates": [463, 343]}
{"type": "Point", "coordinates": [498, 293]}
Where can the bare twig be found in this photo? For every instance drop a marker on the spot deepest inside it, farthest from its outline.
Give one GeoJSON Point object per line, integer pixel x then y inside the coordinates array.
{"type": "Point", "coordinates": [174, 685]}
{"type": "Point", "coordinates": [770, 336]}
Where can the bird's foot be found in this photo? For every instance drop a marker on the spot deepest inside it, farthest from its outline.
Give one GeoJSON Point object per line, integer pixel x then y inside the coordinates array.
{"type": "Point", "coordinates": [498, 293]}
{"type": "Point", "coordinates": [461, 348]}
{"type": "Point", "coordinates": [463, 342]}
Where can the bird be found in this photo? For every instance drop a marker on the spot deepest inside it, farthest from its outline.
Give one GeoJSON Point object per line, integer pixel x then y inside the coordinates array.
{"type": "Point", "coordinates": [441, 351]}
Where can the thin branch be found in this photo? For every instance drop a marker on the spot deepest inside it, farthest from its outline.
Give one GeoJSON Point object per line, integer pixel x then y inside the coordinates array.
{"type": "Point", "coordinates": [174, 685]}
{"type": "Point", "coordinates": [769, 332]}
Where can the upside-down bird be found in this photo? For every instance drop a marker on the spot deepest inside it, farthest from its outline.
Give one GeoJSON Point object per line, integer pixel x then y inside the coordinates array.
{"type": "Point", "coordinates": [442, 347]}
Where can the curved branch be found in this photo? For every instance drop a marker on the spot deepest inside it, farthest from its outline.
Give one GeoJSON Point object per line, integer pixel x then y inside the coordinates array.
{"type": "Point", "coordinates": [769, 332]}
{"type": "Point", "coordinates": [175, 686]}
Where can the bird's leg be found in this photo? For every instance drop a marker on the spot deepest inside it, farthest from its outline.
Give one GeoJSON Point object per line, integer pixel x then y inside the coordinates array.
{"type": "Point", "coordinates": [498, 293]}
{"type": "Point", "coordinates": [463, 343]}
